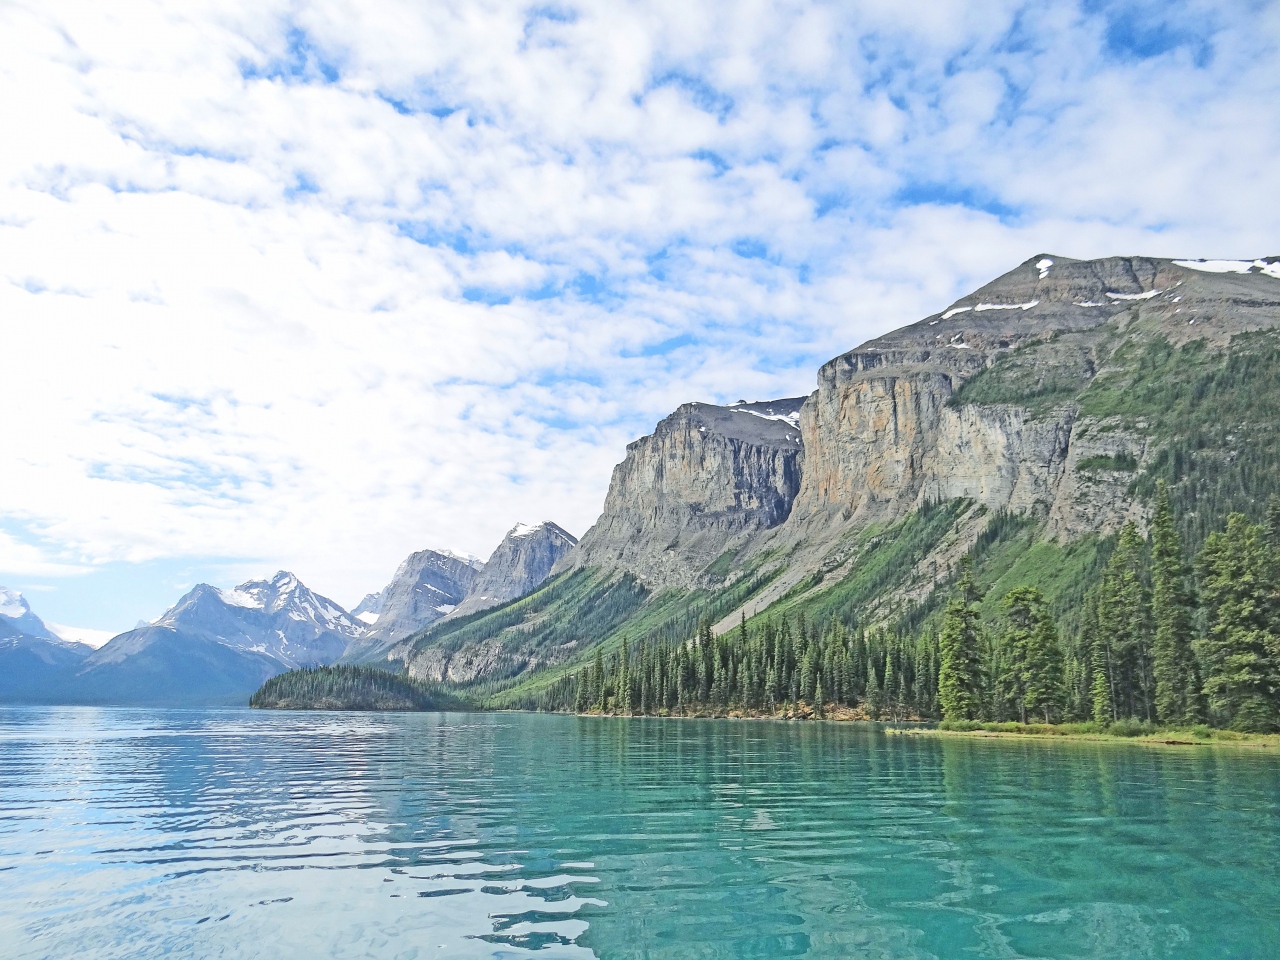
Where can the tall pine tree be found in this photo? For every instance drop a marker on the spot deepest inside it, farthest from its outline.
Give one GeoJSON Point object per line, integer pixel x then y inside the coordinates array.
{"type": "Point", "coordinates": [1031, 653]}
{"type": "Point", "coordinates": [959, 642]}
{"type": "Point", "coordinates": [1177, 677]}
{"type": "Point", "coordinates": [1124, 631]}
{"type": "Point", "coordinates": [1239, 650]}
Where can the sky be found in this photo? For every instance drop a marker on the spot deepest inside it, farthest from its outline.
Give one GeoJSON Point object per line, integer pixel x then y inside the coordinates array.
{"type": "Point", "coordinates": [310, 286]}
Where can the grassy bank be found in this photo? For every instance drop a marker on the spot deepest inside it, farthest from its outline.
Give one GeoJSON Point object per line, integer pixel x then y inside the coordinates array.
{"type": "Point", "coordinates": [1131, 730]}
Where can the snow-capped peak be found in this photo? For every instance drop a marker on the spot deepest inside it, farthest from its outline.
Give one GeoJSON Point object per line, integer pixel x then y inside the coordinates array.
{"type": "Point", "coordinates": [239, 597]}
{"type": "Point", "coordinates": [12, 604]}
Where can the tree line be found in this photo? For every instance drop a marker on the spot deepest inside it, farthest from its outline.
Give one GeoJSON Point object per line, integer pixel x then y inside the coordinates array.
{"type": "Point", "coordinates": [1162, 641]}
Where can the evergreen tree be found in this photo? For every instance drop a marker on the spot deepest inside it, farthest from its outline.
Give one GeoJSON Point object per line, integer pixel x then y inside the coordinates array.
{"type": "Point", "coordinates": [1032, 653]}
{"type": "Point", "coordinates": [1239, 650]}
{"type": "Point", "coordinates": [1124, 629]}
{"type": "Point", "coordinates": [597, 672]}
{"type": "Point", "coordinates": [959, 669]}
{"type": "Point", "coordinates": [1177, 678]}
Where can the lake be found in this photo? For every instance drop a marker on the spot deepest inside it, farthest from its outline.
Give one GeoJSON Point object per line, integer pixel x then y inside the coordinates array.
{"type": "Point", "coordinates": [230, 833]}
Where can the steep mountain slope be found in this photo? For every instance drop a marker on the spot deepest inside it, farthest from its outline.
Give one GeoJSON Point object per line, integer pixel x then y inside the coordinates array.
{"type": "Point", "coordinates": [35, 669]}
{"type": "Point", "coordinates": [1022, 425]}
{"type": "Point", "coordinates": [522, 561]}
{"type": "Point", "coordinates": [998, 400]}
{"type": "Point", "coordinates": [428, 585]}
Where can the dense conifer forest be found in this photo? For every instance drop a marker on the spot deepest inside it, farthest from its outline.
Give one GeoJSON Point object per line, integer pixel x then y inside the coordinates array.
{"type": "Point", "coordinates": [1158, 641]}
{"type": "Point", "coordinates": [351, 688]}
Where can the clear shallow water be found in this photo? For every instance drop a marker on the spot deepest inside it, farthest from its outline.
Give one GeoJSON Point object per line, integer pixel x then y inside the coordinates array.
{"type": "Point", "coordinates": [147, 833]}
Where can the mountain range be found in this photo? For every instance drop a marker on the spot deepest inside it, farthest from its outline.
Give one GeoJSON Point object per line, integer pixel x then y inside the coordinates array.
{"type": "Point", "coordinates": [1019, 427]}
{"type": "Point", "coordinates": [217, 646]}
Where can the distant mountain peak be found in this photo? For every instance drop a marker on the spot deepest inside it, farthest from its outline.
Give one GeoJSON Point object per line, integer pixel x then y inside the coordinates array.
{"type": "Point", "coordinates": [521, 562]}
{"type": "Point", "coordinates": [474, 562]}
{"type": "Point", "coordinates": [12, 604]}
{"type": "Point", "coordinates": [15, 610]}
{"type": "Point", "coordinates": [521, 530]}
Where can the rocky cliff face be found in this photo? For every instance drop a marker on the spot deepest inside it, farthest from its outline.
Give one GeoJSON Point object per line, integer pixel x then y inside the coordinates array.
{"type": "Point", "coordinates": [891, 427]}
{"type": "Point", "coordinates": [703, 483]}
{"type": "Point", "coordinates": [522, 561]}
{"type": "Point", "coordinates": [882, 432]}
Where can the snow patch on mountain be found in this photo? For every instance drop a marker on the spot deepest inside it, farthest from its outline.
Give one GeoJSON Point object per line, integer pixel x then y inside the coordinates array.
{"type": "Point", "coordinates": [1133, 296]}
{"type": "Point", "coordinates": [1270, 268]}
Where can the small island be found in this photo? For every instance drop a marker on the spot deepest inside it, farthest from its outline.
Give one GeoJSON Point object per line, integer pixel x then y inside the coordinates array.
{"type": "Point", "coordinates": [351, 688]}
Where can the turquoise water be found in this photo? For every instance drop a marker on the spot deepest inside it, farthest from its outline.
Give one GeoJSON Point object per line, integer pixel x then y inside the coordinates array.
{"type": "Point", "coordinates": [148, 833]}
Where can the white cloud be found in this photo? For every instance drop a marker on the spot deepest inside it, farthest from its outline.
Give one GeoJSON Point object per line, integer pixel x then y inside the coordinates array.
{"type": "Point", "coordinates": [316, 286]}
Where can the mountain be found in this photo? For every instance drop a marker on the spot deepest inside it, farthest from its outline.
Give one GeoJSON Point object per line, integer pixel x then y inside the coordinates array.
{"type": "Point", "coordinates": [368, 609]}
{"type": "Point", "coordinates": [15, 614]}
{"type": "Point", "coordinates": [1020, 426]}
{"type": "Point", "coordinates": [280, 618]}
{"type": "Point", "coordinates": [706, 481]}
{"type": "Point", "coordinates": [164, 666]}
{"type": "Point", "coordinates": [426, 587]}
{"type": "Point", "coordinates": [215, 646]}
{"type": "Point", "coordinates": [34, 662]}
{"type": "Point", "coordinates": [521, 562]}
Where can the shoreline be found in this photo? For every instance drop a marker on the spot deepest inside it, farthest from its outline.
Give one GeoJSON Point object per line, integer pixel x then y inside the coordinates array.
{"type": "Point", "coordinates": [1165, 738]}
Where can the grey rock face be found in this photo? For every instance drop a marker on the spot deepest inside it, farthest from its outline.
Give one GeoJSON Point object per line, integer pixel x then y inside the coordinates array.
{"type": "Point", "coordinates": [706, 480]}
{"type": "Point", "coordinates": [881, 435]}
{"type": "Point", "coordinates": [426, 587]}
{"type": "Point", "coordinates": [521, 562]}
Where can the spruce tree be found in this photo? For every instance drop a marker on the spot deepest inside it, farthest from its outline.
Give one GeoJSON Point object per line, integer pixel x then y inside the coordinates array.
{"type": "Point", "coordinates": [1124, 627]}
{"type": "Point", "coordinates": [1032, 653]}
{"type": "Point", "coordinates": [1177, 676]}
{"type": "Point", "coordinates": [1239, 650]}
{"type": "Point", "coordinates": [960, 668]}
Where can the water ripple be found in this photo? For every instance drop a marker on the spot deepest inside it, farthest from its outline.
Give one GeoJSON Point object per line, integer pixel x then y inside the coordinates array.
{"type": "Point", "coordinates": [136, 833]}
